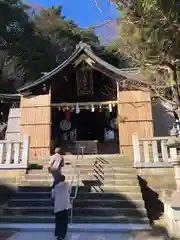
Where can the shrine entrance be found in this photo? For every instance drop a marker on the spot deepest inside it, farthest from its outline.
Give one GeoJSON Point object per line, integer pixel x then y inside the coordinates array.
{"type": "Point", "coordinates": [84, 111]}
{"type": "Point", "coordinates": [84, 100]}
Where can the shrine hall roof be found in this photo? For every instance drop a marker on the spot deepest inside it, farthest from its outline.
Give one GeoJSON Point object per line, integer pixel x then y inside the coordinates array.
{"type": "Point", "coordinates": [92, 59]}
{"type": "Point", "coordinates": [96, 63]}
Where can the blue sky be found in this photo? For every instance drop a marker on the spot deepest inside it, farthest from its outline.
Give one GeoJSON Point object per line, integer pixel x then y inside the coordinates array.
{"type": "Point", "coordinates": [85, 13]}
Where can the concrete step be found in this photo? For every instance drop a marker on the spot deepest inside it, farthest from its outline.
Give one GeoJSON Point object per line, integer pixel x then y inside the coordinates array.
{"type": "Point", "coordinates": [96, 182]}
{"type": "Point", "coordinates": [82, 219]}
{"type": "Point", "coordinates": [116, 175]}
{"type": "Point", "coordinates": [88, 158]}
{"type": "Point", "coordinates": [94, 187]}
{"type": "Point", "coordinates": [78, 211]}
{"type": "Point", "coordinates": [96, 163]}
{"type": "Point", "coordinates": [122, 170]}
{"type": "Point", "coordinates": [83, 203]}
{"type": "Point", "coordinates": [82, 195]}
{"type": "Point", "coordinates": [99, 179]}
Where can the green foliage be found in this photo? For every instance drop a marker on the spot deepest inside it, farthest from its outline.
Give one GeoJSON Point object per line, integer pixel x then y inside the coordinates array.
{"type": "Point", "coordinates": [34, 43]}
{"type": "Point", "coordinates": [149, 31]}
{"type": "Point", "coordinates": [149, 35]}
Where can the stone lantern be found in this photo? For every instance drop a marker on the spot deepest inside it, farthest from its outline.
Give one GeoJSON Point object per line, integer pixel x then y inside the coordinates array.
{"type": "Point", "coordinates": [174, 131]}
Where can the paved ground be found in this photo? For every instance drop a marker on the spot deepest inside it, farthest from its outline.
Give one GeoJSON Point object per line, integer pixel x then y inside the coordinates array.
{"type": "Point", "coordinates": [71, 236]}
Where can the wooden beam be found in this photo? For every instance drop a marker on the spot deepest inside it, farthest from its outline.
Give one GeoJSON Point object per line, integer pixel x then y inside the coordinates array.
{"type": "Point", "coordinates": [82, 104]}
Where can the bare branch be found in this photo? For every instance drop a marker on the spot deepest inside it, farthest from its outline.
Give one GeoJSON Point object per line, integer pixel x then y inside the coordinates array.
{"type": "Point", "coordinates": [97, 5]}
{"type": "Point", "coordinates": [106, 22]}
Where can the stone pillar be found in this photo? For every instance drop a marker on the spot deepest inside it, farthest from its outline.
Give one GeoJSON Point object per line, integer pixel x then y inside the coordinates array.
{"type": "Point", "coordinates": [172, 205]}
{"type": "Point", "coordinates": [175, 197]}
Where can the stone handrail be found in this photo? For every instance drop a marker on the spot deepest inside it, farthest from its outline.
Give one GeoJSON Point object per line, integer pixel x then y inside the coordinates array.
{"type": "Point", "coordinates": [14, 154]}
{"type": "Point", "coordinates": [150, 151]}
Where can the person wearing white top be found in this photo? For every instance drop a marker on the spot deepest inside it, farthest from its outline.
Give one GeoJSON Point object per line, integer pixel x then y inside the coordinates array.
{"type": "Point", "coordinates": [62, 204]}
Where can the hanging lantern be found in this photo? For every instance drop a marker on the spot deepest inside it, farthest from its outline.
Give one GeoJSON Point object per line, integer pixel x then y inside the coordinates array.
{"type": "Point", "coordinates": [92, 108]}
{"type": "Point", "coordinates": [59, 109]}
{"type": "Point", "coordinates": [110, 107]}
{"type": "Point", "coordinates": [87, 108]}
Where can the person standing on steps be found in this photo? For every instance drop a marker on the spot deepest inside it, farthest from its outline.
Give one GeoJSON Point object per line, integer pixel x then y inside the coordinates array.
{"type": "Point", "coordinates": [55, 165]}
{"type": "Point", "coordinates": [61, 197]}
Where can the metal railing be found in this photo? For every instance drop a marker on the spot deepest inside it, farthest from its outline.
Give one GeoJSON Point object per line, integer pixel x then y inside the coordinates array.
{"type": "Point", "coordinates": [75, 176]}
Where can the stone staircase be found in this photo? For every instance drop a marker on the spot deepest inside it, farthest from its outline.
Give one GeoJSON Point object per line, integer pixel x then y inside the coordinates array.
{"type": "Point", "coordinates": [109, 192]}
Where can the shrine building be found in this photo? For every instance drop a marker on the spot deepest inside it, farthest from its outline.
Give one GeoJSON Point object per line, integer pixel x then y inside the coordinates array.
{"type": "Point", "coordinates": [83, 102]}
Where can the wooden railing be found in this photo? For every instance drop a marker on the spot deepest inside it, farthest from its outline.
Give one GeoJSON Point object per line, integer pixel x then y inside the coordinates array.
{"type": "Point", "coordinates": [150, 151]}
{"type": "Point", "coordinates": [14, 154]}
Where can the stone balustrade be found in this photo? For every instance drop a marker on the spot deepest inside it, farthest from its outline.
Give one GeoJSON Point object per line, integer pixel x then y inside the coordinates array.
{"type": "Point", "coordinates": [14, 154]}
{"type": "Point", "coordinates": [151, 151]}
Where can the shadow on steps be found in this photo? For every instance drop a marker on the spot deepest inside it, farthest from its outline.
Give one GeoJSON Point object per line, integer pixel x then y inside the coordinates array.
{"type": "Point", "coordinates": [155, 207]}
{"type": "Point", "coordinates": [31, 204]}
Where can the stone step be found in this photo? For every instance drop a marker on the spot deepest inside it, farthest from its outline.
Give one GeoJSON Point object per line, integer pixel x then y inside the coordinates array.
{"type": "Point", "coordinates": [94, 187]}
{"type": "Point", "coordinates": [76, 219]}
{"type": "Point", "coordinates": [101, 196]}
{"type": "Point", "coordinates": [44, 189]}
{"type": "Point", "coordinates": [39, 174]}
{"type": "Point", "coordinates": [98, 179]}
{"type": "Point", "coordinates": [78, 211]}
{"type": "Point", "coordinates": [83, 203]}
{"type": "Point", "coordinates": [95, 164]}
{"type": "Point", "coordinates": [122, 170]}
{"type": "Point", "coordinates": [87, 158]}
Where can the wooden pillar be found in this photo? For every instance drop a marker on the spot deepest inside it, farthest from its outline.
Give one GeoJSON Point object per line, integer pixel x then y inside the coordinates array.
{"type": "Point", "coordinates": [35, 121]}
{"type": "Point", "coordinates": [135, 116]}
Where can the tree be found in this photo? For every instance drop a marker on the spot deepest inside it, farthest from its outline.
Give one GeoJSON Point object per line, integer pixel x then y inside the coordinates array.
{"type": "Point", "coordinates": [63, 34]}
{"type": "Point", "coordinates": [11, 73]}
{"type": "Point", "coordinates": [150, 36]}
{"type": "Point", "coordinates": [21, 43]}
{"type": "Point", "coordinates": [38, 43]}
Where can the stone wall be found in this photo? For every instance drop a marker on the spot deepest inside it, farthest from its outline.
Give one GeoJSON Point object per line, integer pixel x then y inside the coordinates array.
{"type": "Point", "coordinates": [11, 176]}
{"type": "Point", "coordinates": [158, 179]}
{"type": "Point", "coordinates": [153, 182]}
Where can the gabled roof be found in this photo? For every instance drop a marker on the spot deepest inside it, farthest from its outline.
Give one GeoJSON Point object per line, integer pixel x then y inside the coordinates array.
{"type": "Point", "coordinates": [95, 62]}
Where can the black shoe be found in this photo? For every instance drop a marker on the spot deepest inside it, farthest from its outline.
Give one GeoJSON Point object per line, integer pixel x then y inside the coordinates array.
{"type": "Point", "coordinates": [60, 238]}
